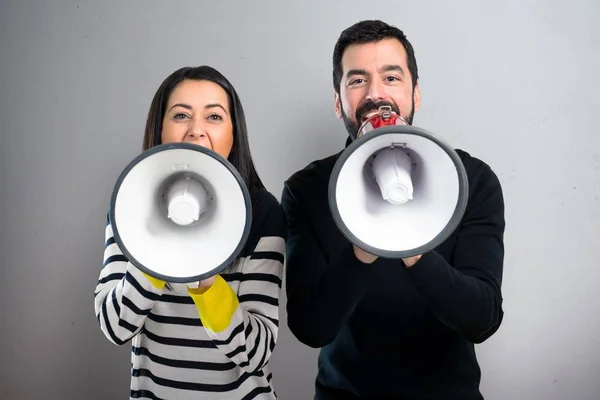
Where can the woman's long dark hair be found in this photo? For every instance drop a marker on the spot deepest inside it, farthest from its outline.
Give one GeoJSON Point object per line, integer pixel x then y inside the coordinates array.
{"type": "Point", "coordinates": [240, 156]}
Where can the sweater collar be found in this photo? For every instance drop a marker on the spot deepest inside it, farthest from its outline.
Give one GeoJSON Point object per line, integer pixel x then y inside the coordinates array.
{"type": "Point", "coordinates": [348, 141]}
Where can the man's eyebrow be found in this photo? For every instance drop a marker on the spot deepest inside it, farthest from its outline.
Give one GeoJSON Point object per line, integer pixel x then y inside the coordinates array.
{"type": "Point", "coordinates": [385, 68]}
{"type": "Point", "coordinates": [355, 71]}
{"type": "Point", "coordinates": [392, 67]}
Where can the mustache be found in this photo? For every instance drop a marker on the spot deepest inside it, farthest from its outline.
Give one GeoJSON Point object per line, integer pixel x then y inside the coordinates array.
{"type": "Point", "coordinates": [370, 106]}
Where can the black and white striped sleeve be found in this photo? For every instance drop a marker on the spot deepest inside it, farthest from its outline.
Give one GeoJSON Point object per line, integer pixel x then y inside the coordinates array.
{"type": "Point", "coordinates": [123, 296]}
{"type": "Point", "coordinates": [251, 335]}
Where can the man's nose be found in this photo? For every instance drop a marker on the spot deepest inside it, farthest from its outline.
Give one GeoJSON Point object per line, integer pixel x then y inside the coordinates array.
{"type": "Point", "coordinates": [376, 91]}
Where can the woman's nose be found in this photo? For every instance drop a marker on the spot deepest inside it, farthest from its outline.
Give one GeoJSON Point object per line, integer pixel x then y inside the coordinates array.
{"type": "Point", "coordinates": [196, 134]}
{"type": "Point", "coordinates": [197, 131]}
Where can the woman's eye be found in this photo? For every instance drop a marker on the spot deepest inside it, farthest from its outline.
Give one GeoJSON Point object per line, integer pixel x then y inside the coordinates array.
{"type": "Point", "coordinates": [215, 117]}
{"type": "Point", "coordinates": [180, 116]}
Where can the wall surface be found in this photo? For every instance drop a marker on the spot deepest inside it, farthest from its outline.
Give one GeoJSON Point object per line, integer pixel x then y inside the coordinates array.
{"type": "Point", "coordinates": [515, 83]}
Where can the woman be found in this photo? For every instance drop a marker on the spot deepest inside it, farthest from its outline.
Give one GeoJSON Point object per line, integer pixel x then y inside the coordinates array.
{"type": "Point", "coordinates": [213, 342]}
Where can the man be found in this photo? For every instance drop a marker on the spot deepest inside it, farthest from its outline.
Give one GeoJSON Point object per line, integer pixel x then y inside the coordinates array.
{"type": "Point", "coordinates": [390, 329]}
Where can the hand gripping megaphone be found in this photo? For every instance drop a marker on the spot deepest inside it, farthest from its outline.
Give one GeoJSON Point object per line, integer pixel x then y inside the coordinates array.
{"type": "Point", "coordinates": [180, 212]}
{"type": "Point", "coordinates": [397, 190]}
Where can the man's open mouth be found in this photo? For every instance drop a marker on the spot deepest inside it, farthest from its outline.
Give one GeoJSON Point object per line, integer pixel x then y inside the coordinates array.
{"type": "Point", "coordinates": [368, 115]}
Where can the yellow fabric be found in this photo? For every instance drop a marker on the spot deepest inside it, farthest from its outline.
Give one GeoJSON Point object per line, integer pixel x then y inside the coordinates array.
{"type": "Point", "coordinates": [157, 283]}
{"type": "Point", "coordinates": [216, 305]}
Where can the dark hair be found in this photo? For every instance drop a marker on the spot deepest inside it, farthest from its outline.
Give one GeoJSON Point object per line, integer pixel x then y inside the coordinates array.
{"type": "Point", "coordinates": [240, 156]}
{"type": "Point", "coordinates": [370, 31]}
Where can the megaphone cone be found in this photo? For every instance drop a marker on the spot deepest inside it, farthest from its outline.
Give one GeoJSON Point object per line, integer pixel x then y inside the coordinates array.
{"type": "Point", "coordinates": [180, 212]}
{"type": "Point", "coordinates": [397, 190]}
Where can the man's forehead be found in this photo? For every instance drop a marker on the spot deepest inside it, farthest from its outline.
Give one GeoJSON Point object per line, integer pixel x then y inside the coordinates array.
{"type": "Point", "coordinates": [374, 56]}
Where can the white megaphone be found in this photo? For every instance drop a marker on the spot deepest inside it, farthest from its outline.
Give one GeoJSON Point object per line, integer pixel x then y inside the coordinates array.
{"type": "Point", "coordinates": [397, 190]}
{"type": "Point", "coordinates": [180, 212]}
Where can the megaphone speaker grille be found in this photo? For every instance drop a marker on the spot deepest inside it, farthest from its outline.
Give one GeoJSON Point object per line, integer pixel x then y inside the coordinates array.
{"type": "Point", "coordinates": [180, 212]}
{"type": "Point", "coordinates": [398, 191]}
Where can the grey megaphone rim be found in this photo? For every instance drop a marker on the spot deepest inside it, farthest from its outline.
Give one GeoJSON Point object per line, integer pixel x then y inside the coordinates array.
{"type": "Point", "coordinates": [210, 153]}
{"type": "Point", "coordinates": [457, 215]}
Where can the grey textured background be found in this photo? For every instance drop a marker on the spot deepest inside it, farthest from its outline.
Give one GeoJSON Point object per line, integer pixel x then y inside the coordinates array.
{"type": "Point", "coordinates": [513, 82]}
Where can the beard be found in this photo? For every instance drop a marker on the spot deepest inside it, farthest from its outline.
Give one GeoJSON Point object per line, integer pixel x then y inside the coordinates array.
{"type": "Point", "coordinates": [352, 125]}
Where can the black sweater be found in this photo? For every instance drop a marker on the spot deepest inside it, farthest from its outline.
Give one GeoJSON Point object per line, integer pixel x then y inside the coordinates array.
{"type": "Point", "coordinates": [387, 331]}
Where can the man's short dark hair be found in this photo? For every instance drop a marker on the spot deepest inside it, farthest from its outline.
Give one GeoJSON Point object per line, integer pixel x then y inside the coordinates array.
{"type": "Point", "coordinates": [370, 31]}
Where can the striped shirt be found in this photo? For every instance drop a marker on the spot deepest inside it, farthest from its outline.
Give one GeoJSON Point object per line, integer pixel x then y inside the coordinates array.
{"type": "Point", "coordinates": [174, 354]}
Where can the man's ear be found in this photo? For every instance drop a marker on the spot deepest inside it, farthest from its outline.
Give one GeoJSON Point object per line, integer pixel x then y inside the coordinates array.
{"type": "Point", "coordinates": [416, 98]}
{"type": "Point", "coordinates": [337, 105]}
